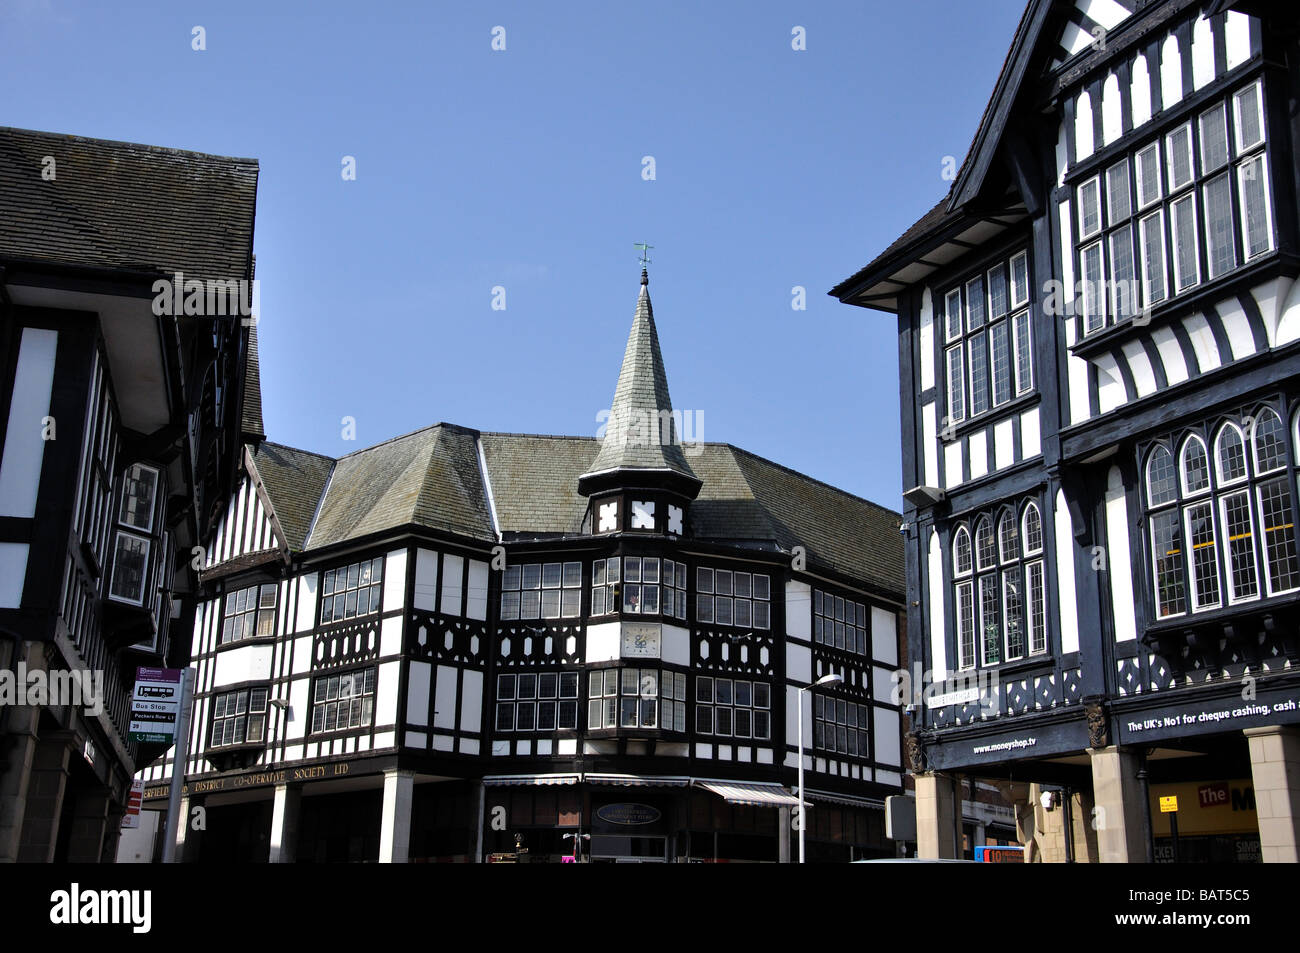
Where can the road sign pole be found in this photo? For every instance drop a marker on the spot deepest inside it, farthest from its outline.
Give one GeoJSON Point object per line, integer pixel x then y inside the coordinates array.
{"type": "Point", "coordinates": [181, 755]}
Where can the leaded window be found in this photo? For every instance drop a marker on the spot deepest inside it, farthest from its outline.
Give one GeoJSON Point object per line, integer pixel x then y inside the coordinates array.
{"type": "Point", "coordinates": [636, 698]}
{"type": "Point", "coordinates": [537, 701]}
{"type": "Point", "coordinates": [1000, 595]}
{"type": "Point", "coordinates": [351, 591]}
{"type": "Point", "coordinates": [728, 597]}
{"type": "Point", "coordinates": [733, 708]}
{"type": "Point", "coordinates": [839, 622]}
{"type": "Point", "coordinates": [988, 348]}
{"type": "Point", "coordinates": [249, 613]}
{"type": "Point", "coordinates": [238, 717]}
{"type": "Point", "coordinates": [841, 726]}
{"type": "Point", "coordinates": [344, 702]}
{"type": "Point", "coordinates": [542, 591]}
{"type": "Point", "coordinates": [1221, 533]}
{"type": "Point", "coordinates": [1198, 193]}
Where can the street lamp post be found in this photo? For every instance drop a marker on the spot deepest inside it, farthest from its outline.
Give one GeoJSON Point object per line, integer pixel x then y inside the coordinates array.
{"type": "Point", "coordinates": [831, 679]}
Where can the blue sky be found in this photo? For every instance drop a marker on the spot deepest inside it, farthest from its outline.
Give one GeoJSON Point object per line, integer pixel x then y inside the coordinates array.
{"type": "Point", "coordinates": [523, 168]}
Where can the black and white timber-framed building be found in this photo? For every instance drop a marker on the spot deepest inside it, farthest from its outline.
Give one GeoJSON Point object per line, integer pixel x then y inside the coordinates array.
{"type": "Point", "coordinates": [1099, 360]}
{"type": "Point", "coordinates": [121, 428]}
{"type": "Point", "coordinates": [456, 644]}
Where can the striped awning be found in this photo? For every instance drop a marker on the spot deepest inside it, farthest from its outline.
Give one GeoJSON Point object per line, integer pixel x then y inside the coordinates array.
{"type": "Point", "coordinates": [845, 799]}
{"type": "Point", "coordinates": [756, 793]}
{"type": "Point", "coordinates": [503, 780]}
{"type": "Point", "coordinates": [635, 781]}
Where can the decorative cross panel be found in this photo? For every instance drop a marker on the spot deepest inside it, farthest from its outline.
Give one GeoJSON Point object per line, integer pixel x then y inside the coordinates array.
{"type": "Point", "coordinates": [731, 650]}
{"type": "Point", "coordinates": [525, 644]}
{"type": "Point", "coordinates": [356, 642]}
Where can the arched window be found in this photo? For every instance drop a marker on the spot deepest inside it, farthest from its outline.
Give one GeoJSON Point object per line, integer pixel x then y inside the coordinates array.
{"type": "Point", "coordinates": [961, 552]}
{"type": "Point", "coordinates": [1223, 533]}
{"type": "Point", "coordinates": [1035, 580]}
{"type": "Point", "coordinates": [1269, 442]}
{"type": "Point", "coordinates": [1000, 587]}
{"type": "Point", "coordinates": [1033, 530]}
{"type": "Point", "coordinates": [1008, 536]}
{"type": "Point", "coordinates": [986, 554]}
{"type": "Point", "coordinates": [986, 558]}
{"type": "Point", "coordinates": [1162, 479]}
{"type": "Point", "coordinates": [1230, 455]}
{"type": "Point", "coordinates": [965, 599]}
{"type": "Point", "coordinates": [1195, 467]}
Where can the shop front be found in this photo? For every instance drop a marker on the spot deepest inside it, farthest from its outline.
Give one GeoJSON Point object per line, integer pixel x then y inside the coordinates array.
{"type": "Point", "coordinates": [623, 819]}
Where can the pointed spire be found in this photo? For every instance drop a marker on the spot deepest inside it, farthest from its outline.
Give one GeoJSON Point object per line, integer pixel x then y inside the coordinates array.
{"type": "Point", "coordinates": [642, 436]}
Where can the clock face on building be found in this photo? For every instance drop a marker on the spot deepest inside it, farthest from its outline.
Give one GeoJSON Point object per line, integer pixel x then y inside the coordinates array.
{"type": "Point", "coordinates": [640, 640]}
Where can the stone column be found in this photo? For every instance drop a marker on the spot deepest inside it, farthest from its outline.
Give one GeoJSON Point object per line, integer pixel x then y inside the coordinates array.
{"type": "Point", "coordinates": [89, 819]}
{"type": "Point", "coordinates": [395, 824]}
{"type": "Point", "coordinates": [1120, 817]}
{"type": "Point", "coordinates": [936, 813]}
{"type": "Point", "coordinates": [112, 832]}
{"type": "Point", "coordinates": [1275, 769]}
{"type": "Point", "coordinates": [284, 823]}
{"type": "Point", "coordinates": [45, 792]}
{"type": "Point", "coordinates": [17, 754]}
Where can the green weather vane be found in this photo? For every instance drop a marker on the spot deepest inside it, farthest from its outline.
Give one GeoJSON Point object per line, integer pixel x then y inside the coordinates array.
{"type": "Point", "coordinates": [644, 249]}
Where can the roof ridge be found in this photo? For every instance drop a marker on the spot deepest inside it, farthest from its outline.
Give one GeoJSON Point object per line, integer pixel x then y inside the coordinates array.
{"type": "Point", "coordinates": [285, 446]}
{"type": "Point", "coordinates": [543, 436]}
{"type": "Point", "coordinates": [404, 436]}
{"type": "Point", "coordinates": [164, 150]}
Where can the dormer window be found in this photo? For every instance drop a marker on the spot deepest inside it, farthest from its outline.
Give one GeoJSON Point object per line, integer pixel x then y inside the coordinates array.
{"type": "Point", "coordinates": [608, 516]}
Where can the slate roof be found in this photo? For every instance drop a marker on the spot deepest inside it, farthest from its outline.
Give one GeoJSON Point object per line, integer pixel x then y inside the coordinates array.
{"type": "Point", "coordinates": [436, 478]}
{"type": "Point", "coordinates": [294, 480]}
{"type": "Point", "coordinates": [640, 400]}
{"type": "Point", "coordinates": [432, 478]}
{"type": "Point", "coordinates": [119, 205]}
{"type": "Point", "coordinates": [250, 417]}
{"type": "Point", "coordinates": [535, 481]}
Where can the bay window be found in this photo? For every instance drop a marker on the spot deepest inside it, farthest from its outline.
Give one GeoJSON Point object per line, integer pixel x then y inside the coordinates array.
{"type": "Point", "coordinates": [1220, 515]}
{"type": "Point", "coordinates": [238, 717]}
{"type": "Point", "coordinates": [636, 698]}
{"type": "Point", "coordinates": [1199, 190]}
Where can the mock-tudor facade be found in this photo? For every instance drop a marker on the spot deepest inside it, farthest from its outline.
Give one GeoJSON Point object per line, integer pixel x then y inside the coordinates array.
{"type": "Point", "coordinates": [460, 645]}
{"type": "Point", "coordinates": [1099, 333]}
{"type": "Point", "coordinates": [122, 422]}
